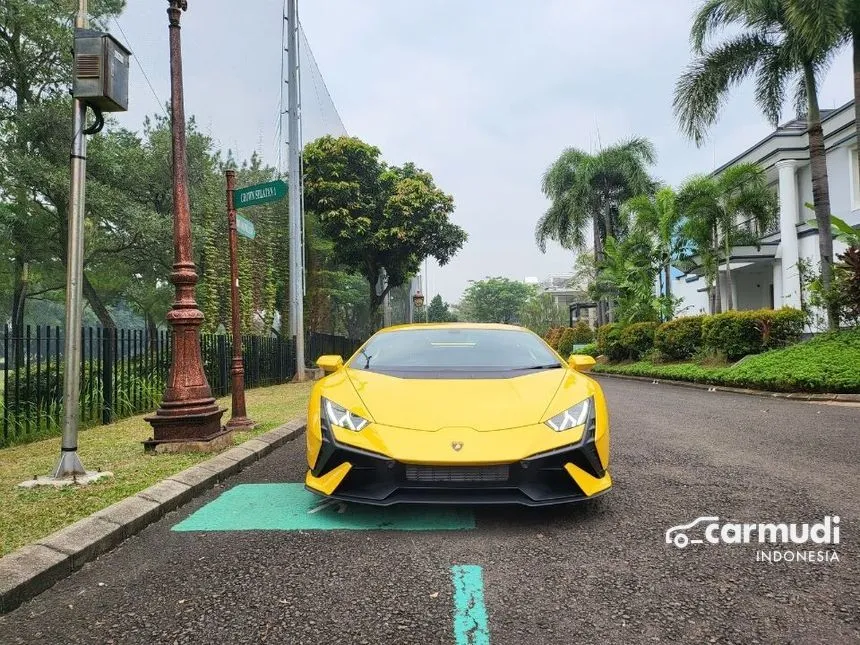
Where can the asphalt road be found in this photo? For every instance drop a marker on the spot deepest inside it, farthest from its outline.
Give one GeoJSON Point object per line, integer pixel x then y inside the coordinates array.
{"type": "Point", "coordinates": [569, 575]}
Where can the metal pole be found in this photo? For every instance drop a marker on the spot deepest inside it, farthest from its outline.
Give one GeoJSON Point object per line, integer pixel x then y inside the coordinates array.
{"type": "Point", "coordinates": [238, 416]}
{"type": "Point", "coordinates": [426, 290]}
{"type": "Point", "coordinates": [69, 463]}
{"type": "Point", "coordinates": [297, 326]}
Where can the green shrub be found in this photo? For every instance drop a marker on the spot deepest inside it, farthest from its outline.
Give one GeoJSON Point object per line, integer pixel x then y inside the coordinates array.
{"type": "Point", "coordinates": [609, 341]}
{"type": "Point", "coordinates": [553, 336]}
{"type": "Point", "coordinates": [680, 338]}
{"type": "Point", "coordinates": [740, 333]}
{"type": "Point", "coordinates": [566, 343]}
{"type": "Point", "coordinates": [589, 350]}
{"type": "Point", "coordinates": [582, 333]}
{"type": "Point", "coordinates": [828, 363]}
{"type": "Point", "coordinates": [786, 327]}
{"type": "Point", "coordinates": [638, 338]}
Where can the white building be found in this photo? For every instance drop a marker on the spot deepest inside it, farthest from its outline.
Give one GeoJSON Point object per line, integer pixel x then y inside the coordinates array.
{"type": "Point", "coordinates": [573, 302]}
{"type": "Point", "coordinates": [767, 276]}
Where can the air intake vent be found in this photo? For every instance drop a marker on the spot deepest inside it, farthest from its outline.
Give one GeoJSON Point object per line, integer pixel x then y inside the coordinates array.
{"type": "Point", "coordinates": [89, 66]}
{"type": "Point", "coordinates": [457, 473]}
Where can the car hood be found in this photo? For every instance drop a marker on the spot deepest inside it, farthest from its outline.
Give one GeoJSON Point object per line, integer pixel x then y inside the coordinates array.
{"type": "Point", "coordinates": [479, 404]}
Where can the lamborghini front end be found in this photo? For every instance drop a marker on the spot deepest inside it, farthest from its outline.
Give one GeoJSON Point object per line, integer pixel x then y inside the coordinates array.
{"type": "Point", "coordinates": [383, 454]}
{"type": "Point", "coordinates": [567, 473]}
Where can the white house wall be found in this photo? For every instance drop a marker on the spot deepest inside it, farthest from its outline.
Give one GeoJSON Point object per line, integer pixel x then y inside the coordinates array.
{"type": "Point", "coordinates": [752, 287]}
{"type": "Point", "coordinates": [787, 149]}
{"type": "Point", "coordinates": [693, 303]}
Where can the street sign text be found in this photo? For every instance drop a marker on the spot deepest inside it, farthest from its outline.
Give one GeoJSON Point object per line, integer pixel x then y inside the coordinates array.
{"type": "Point", "coordinates": [271, 191]}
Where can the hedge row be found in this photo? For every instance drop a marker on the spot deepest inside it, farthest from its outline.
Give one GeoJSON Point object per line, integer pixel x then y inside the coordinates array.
{"type": "Point", "coordinates": [562, 339]}
{"type": "Point", "coordinates": [734, 333]}
{"type": "Point", "coordinates": [829, 363]}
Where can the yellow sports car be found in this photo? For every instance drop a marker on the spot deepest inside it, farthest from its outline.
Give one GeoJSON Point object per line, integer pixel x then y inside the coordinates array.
{"type": "Point", "coordinates": [457, 413]}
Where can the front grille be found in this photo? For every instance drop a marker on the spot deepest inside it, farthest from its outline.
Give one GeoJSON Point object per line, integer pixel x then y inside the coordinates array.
{"type": "Point", "coordinates": [458, 473]}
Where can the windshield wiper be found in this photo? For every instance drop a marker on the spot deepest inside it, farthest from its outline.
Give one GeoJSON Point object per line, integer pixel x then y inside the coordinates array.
{"type": "Point", "coordinates": [367, 362]}
{"type": "Point", "coordinates": [549, 366]}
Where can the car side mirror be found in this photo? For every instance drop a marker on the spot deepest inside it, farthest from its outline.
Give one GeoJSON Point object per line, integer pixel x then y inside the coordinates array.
{"type": "Point", "coordinates": [330, 363]}
{"type": "Point", "coordinates": [581, 362]}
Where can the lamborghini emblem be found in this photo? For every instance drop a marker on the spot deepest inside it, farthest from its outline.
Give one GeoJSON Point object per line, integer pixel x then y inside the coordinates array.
{"type": "Point", "coordinates": [457, 445]}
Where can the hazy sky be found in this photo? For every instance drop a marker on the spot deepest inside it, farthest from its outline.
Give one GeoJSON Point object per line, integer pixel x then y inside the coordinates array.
{"type": "Point", "coordinates": [482, 93]}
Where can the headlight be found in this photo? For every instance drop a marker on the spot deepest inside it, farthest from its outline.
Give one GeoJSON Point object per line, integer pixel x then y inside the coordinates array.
{"type": "Point", "coordinates": [339, 416]}
{"type": "Point", "coordinates": [572, 417]}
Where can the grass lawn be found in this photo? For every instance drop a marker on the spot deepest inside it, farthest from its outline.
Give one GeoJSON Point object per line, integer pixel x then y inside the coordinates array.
{"type": "Point", "coordinates": [829, 363]}
{"type": "Point", "coordinates": [28, 515]}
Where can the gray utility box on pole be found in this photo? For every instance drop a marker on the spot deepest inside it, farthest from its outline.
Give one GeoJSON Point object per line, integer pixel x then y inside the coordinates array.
{"type": "Point", "coordinates": [101, 71]}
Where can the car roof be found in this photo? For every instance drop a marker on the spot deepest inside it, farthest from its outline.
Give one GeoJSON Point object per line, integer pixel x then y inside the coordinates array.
{"type": "Point", "coordinates": [456, 325]}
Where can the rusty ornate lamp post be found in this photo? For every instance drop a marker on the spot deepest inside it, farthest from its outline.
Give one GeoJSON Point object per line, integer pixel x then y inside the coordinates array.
{"type": "Point", "coordinates": [238, 416]}
{"type": "Point", "coordinates": [188, 412]}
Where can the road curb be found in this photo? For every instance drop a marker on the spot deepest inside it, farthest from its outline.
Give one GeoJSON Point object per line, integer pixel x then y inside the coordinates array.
{"type": "Point", "coordinates": [33, 568]}
{"type": "Point", "coordinates": [796, 396]}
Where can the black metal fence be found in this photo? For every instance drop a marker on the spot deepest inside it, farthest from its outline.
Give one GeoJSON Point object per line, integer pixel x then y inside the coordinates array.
{"type": "Point", "coordinates": [123, 372]}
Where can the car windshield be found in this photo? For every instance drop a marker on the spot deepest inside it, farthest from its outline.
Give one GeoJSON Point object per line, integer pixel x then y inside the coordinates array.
{"type": "Point", "coordinates": [456, 349]}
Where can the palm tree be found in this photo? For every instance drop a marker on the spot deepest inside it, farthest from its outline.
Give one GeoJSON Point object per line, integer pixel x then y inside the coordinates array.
{"type": "Point", "coordinates": [828, 25]}
{"type": "Point", "coordinates": [700, 233]}
{"type": "Point", "coordinates": [736, 206]}
{"type": "Point", "coordinates": [588, 188]}
{"type": "Point", "coordinates": [658, 217]}
{"type": "Point", "coordinates": [770, 48]}
{"type": "Point", "coordinates": [627, 276]}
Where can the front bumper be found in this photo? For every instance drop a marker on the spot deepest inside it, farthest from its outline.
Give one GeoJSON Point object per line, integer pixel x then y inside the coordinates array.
{"type": "Point", "coordinates": [570, 474]}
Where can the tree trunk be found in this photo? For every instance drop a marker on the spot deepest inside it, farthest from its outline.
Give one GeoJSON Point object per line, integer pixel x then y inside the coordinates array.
{"type": "Point", "coordinates": [667, 276]}
{"type": "Point", "coordinates": [598, 260]}
{"type": "Point", "coordinates": [820, 190]}
{"type": "Point", "coordinates": [151, 331]}
{"type": "Point", "coordinates": [20, 243]}
{"type": "Point", "coordinates": [19, 302]}
{"type": "Point", "coordinates": [728, 252]}
{"type": "Point", "coordinates": [98, 306]}
{"type": "Point", "coordinates": [718, 300]}
{"type": "Point", "coordinates": [375, 302]}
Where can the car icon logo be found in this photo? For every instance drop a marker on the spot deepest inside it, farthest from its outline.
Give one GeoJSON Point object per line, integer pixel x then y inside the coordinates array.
{"type": "Point", "coordinates": [457, 445]}
{"type": "Point", "coordinates": [676, 535]}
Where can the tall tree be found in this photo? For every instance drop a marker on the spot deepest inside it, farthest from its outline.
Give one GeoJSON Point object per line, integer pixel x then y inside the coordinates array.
{"type": "Point", "coordinates": [658, 217]}
{"type": "Point", "coordinates": [588, 189]}
{"type": "Point", "coordinates": [766, 44]}
{"type": "Point", "coordinates": [827, 25]}
{"type": "Point", "coordinates": [627, 275]}
{"type": "Point", "coordinates": [541, 312]}
{"type": "Point", "coordinates": [438, 311]}
{"type": "Point", "coordinates": [495, 300]}
{"type": "Point", "coordinates": [383, 220]}
{"type": "Point", "coordinates": [35, 66]}
{"type": "Point", "coordinates": [738, 203]}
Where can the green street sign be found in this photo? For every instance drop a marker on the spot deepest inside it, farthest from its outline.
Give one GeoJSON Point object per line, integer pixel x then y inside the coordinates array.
{"type": "Point", "coordinates": [245, 227]}
{"type": "Point", "coordinates": [271, 191]}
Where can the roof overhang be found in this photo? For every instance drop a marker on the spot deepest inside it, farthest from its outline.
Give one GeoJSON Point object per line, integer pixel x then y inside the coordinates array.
{"type": "Point", "coordinates": [742, 256]}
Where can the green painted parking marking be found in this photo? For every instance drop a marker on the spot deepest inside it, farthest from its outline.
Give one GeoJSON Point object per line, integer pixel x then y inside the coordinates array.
{"type": "Point", "coordinates": [470, 612]}
{"type": "Point", "coordinates": [290, 507]}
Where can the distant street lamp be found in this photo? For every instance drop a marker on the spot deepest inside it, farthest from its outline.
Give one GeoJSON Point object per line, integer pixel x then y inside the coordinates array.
{"type": "Point", "coordinates": [418, 301]}
{"type": "Point", "coordinates": [188, 412]}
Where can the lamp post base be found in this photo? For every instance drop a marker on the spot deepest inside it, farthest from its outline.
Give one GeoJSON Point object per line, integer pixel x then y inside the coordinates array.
{"type": "Point", "coordinates": [200, 430]}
